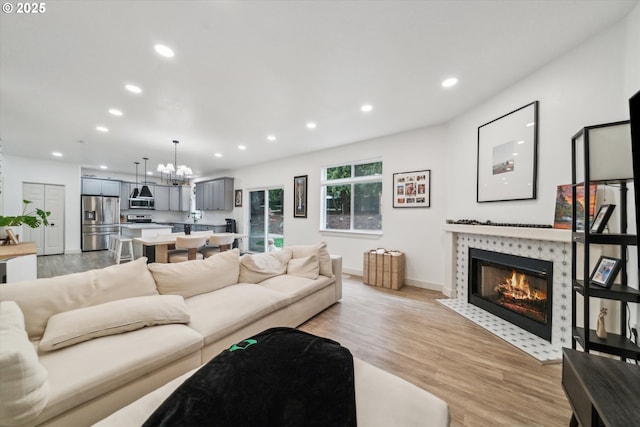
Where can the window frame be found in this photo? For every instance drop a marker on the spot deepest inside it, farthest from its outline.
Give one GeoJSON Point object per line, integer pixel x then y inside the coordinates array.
{"type": "Point", "coordinates": [352, 181]}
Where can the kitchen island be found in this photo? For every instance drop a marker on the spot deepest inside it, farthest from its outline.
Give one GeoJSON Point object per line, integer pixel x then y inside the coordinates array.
{"type": "Point", "coordinates": [143, 231]}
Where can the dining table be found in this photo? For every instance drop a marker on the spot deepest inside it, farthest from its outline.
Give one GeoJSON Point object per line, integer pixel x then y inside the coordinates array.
{"type": "Point", "coordinates": [156, 248]}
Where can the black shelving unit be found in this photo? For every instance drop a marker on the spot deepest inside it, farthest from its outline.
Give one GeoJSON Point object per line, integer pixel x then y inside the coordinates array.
{"type": "Point", "coordinates": [583, 175]}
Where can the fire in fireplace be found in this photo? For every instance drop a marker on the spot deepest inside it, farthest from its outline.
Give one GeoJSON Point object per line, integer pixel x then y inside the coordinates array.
{"type": "Point", "coordinates": [515, 288]}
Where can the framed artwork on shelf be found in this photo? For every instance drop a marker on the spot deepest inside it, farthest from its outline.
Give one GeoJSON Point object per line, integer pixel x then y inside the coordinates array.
{"type": "Point", "coordinates": [600, 222]}
{"type": "Point", "coordinates": [564, 199]}
{"type": "Point", "coordinates": [238, 198]}
{"type": "Point", "coordinates": [605, 272]}
{"type": "Point", "coordinates": [507, 156]}
{"type": "Point", "coordinates": [300, 196]}
{"type": "Point", "coordinates": [412, 189]}
{"type": "Point", "coordinates": [13, 239]}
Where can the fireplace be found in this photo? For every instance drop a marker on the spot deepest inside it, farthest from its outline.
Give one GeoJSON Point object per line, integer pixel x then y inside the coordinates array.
{"type": "Point", "coordinates": [515, 288]}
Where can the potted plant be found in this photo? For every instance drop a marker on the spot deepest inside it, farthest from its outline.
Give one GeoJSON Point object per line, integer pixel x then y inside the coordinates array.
{"type": "Point", "coordinates": [33, 219]}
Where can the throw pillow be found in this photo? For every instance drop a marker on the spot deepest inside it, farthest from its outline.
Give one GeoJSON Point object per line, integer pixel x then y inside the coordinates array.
{"type": "Point", "coordinates": [196, 277]}
{"type": "Point", "coordinates": [255, 268]}
{"type": "Point", "coordinates": [320, 249]}
{"type": "Point", "coordinates": [307, 267]}
{"type": "Point", "coordinates": [25, 390]}
{"type": "Point", "coordinates": [115, 317]}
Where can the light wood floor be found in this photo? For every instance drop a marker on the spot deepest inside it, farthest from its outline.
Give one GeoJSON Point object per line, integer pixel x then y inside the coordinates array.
{"type": "Point", "coordinates": [485, 381]}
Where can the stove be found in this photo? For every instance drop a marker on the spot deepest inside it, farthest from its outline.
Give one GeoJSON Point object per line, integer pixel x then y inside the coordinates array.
{"type": "Point", "coordinates": [138, 218]}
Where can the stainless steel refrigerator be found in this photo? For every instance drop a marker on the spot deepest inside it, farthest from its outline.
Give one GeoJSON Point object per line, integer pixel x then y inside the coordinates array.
{"type": "Point", "coordinates": [100, 221]}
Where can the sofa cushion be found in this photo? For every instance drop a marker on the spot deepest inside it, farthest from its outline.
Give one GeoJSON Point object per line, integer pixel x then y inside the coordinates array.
{"type": "Point", "coordinates": [254, 268]}
{"type": "Point", "coordinates": [320, 249]}
{"type": "Point", "coordinates": [40, 299]}
{"type": "Point", "coordinates": [294, 287]}
{"type": "Point", "coordinates": [84, 371]}
{"type": "Point", "coordinates": [115, 317]}
{"type": "Point", "coordinates": [220, 313]}
{"type": "Point", "coordinates": [307, 267]}
{"type": "Point", "coordinates": [25, 391]}
{"type": "Point", "coordinates": [199, 276]}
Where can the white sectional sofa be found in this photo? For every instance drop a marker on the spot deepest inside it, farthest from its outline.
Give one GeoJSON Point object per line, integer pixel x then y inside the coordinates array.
{"type": "Point", "coordinates": [76, 348]}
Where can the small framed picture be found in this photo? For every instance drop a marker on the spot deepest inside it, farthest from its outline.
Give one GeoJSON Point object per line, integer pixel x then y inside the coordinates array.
{"type": "Point", "coordinates": [605, 272]}
{"type": "Point", "coordinates": [300, 196]}
{"type": "Point", "coordinates": [11, 236]}
{"type": "Point", "coordinates": [600, 221]}
{"type": "Point", "coordinates": [238, 199]}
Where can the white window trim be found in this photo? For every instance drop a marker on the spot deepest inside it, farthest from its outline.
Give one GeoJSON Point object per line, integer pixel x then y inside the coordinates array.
{"type": "Point", "coordinates": [324, 182]}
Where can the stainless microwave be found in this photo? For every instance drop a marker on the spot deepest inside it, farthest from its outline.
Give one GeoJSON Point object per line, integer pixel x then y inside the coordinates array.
{"type": "Point", "coordinates": [141, 203]}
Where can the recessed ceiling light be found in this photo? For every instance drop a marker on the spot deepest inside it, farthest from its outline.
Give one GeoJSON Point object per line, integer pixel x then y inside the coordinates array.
{"type": "Point", "coordinates": [530, 124]}
{"type": "Point", "coordinates": [103, 167]}
{"type": "Point", "coordinates": [56, 154]}
{"type": "Point", "coordinates": [102, 129]}
{"type": "Point", "coordinates": [366, 108]}
{"type": "Point", "coordinates": [133, 88]}
{"type": "Point", "coordinates": [451, 81]}
{"type": "Point", "coordinates": [163, 50]}
{"type": "Point", "coordinates": [218, 154]}
{"type": "Point", "coordinates": [271, 138]}
{"type": "Point", "coordinates": [115, 112]}
{"type": "Point", "coordinates": [242, 147]}
{"type": "Point", "coordinates": [311, 125]}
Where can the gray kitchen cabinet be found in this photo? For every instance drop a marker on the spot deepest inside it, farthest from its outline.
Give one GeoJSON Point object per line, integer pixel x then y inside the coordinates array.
{"type": "Point", "coordinates": [161, 197]}
{"type": "Point", "coordinates": [215, 195]}
{"type": "Point", "coordinates": [185, 198]}
{"type": "Point", "coordinates": [104, 187]}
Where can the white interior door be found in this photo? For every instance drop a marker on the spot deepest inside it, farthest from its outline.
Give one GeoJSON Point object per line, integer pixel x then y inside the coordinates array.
{"type": "Point", "coordinates": [48, 197]}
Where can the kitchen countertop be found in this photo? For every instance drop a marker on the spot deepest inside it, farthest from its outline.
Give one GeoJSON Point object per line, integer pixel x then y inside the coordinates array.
{"type": "Point", "coordinates": [143, 226]}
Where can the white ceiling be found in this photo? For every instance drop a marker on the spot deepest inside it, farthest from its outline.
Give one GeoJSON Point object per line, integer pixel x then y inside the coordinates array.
{"type": "Point", "coordinates": [247, 69]}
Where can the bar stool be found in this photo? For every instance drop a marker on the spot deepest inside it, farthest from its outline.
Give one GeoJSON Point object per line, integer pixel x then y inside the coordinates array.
{"type": "Point", "coordinates": [113, 242]}
{"type": "Point", "coordinates": [119, 247]}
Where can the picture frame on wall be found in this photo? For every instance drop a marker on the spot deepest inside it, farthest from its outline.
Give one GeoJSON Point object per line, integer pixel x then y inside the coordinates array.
{"type": "Point", "coordinates": [602, 217]}
{"type": "Point", "coordinates": [605, 271]}
{"type": "Point", "coordinates": [238, 199]}
{"type": "Point", "coordinates": [507, 156]}
{"type": "Point", "coordinates": [412, 189]}
{"type": "Point", "coordinates": [300, 196]}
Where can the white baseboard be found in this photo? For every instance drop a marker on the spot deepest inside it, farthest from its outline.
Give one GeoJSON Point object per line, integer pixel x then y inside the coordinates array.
{"type": "Point", "coordinates": [409, 282]}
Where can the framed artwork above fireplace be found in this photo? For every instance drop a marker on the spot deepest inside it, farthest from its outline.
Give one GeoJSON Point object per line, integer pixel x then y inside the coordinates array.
{"type": "Point", "coordinates": [507, 156]}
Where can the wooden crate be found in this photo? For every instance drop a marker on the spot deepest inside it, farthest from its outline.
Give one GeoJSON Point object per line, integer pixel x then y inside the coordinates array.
{"type": "Point", "coordinates": [383, 269]}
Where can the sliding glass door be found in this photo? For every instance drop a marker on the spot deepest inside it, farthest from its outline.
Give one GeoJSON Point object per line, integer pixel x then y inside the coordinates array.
{"type": "Point", "coordinates": [266, 220]}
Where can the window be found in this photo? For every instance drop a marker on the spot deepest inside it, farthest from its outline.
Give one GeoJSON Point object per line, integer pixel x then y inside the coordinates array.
{"type": "Point", "coordinates": [351, 195]}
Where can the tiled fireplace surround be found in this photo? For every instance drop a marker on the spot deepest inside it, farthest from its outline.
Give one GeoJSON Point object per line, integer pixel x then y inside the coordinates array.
{"type": "Point", "coordinates": [540, 243]}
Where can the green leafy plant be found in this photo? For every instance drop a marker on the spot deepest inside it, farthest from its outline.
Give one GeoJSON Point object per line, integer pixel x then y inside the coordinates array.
{"type": "Point", "coordinates": [33, 219]}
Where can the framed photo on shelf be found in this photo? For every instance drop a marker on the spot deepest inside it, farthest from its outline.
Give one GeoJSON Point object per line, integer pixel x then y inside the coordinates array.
{"type": "Point", "coordinates": [238, 198]}
{"type": "Point", "coordinates": [300, 196]}
{"type": "Point", "coordinates": [507, 156]}
{"type": "Point", "coordinates": [600, 221]}
{"type": "Point", "coordinates": [605, 272]}
{"type": "Point", "coordinates": [11, 236]}
{"type": "Point", "coordinates": [412, 189]}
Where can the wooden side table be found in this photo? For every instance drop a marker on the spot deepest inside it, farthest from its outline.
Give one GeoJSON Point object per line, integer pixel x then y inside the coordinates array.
{"type": "Point", "coordinates": [600, 390]}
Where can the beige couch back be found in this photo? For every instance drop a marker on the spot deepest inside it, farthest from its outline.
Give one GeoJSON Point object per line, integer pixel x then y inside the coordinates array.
{"type": "Point", "coordinates": [40, 299]}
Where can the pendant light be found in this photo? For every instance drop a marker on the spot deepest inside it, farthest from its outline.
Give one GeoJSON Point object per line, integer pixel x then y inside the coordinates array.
{"type": "Point", "coordinates": [145, 192]}
{"type": "Point", "coordinates": [182, 172]}
{"type": "Point", "coordinates": [134, 193]}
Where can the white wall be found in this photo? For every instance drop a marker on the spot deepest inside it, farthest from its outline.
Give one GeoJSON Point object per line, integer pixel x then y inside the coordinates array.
{"type": "Point", "coordinates": [17, 170]}
{"type": "Point", "coordinates": [413, 231]}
